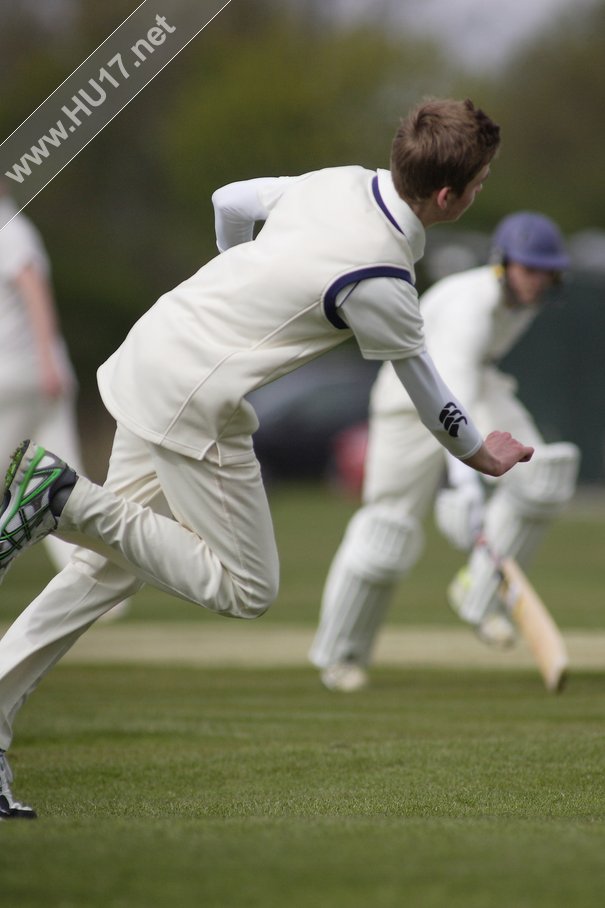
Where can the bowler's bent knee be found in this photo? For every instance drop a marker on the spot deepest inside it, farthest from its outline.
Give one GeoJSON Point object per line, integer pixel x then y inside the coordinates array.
{"type": "Point", "coordinates": [255, 598]}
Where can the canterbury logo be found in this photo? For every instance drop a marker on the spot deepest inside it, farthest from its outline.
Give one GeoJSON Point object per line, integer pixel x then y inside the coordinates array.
{"type": "Point", "coordinates": [451, 417]}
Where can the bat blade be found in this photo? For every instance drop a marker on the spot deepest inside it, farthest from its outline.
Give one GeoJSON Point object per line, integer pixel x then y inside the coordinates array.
{"type": "Point", "coordinates": [536, 625]}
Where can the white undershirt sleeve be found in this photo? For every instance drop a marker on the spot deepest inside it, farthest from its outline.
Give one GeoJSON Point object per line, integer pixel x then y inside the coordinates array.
{"type": "Point", "coordinates": [237, 207]}
{"type": "Point", "coordinates": [437, 407]}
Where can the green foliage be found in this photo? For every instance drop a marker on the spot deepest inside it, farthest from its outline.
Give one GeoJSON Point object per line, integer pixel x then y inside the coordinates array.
{"type": "Point", "coordinates": [286, 101]}
{"type": "Point", "coordinates": [260, 92]}
{"type": "Point", "coordinates": [273, 88]}
{"type": "Point", "coordinates": [548, 102]}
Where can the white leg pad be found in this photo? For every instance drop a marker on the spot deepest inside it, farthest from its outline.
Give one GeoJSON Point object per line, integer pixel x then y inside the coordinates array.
{"type": "Point", "coordinates": [381, 544]}
{"type": "Point", "coordinates": [543, 487]}
{"type": "Point", "coordinates": [379, 547]}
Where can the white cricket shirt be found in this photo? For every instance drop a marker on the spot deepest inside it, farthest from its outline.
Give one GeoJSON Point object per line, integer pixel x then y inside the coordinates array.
{"type": "Point", "coordinates": [266, 306]}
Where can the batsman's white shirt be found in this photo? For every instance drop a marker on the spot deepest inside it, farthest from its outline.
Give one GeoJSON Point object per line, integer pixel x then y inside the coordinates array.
{"type": "Point", "coordinates": [265, 307]}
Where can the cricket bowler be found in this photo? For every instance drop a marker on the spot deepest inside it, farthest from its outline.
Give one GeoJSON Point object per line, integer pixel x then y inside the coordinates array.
{"type": "Point", "coordinates": [183, 507]}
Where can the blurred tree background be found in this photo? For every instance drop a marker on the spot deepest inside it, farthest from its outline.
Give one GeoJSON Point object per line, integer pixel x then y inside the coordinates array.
{"type": "Point", "coordinates": [280, 88]}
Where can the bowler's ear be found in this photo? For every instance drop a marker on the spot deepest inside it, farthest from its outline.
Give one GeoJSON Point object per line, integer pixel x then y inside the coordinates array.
{"type": "Point", "coordinates": [442, 197]}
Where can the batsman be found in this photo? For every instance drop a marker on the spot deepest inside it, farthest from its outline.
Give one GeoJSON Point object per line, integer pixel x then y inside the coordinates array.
{"type": "Point", "coordinates": [471, 320]}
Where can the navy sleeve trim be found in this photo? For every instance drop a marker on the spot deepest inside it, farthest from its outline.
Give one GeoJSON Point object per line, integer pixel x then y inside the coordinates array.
{"type": "Point", "coordinates": [353, 277]}
{"type": "Point", "coordinates": [382, 205]}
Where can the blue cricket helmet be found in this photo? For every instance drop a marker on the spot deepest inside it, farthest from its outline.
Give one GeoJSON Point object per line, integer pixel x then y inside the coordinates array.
{"type": "Point", "coordinates": [531, 239]}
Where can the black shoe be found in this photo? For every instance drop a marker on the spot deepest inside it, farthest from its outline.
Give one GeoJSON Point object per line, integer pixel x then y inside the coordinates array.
{"type": "Point", "coordinates": [9, 808]}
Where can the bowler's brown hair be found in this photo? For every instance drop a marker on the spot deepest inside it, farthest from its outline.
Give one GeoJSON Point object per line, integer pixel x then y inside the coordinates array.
{"type": "Point", "coordinates": [442, 142]}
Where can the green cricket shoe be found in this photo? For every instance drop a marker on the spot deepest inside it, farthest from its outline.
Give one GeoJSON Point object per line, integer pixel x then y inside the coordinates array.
{"type": "Point", "coordinates": [36, 487]}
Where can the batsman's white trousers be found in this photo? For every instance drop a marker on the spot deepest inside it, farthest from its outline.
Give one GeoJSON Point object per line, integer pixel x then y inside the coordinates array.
{"type": "Point", "coordinates": [404, 468]}
{"type": "Point", "coordinates": [405, 463]}
{"type": "Point", "coordinates": [200, 530]}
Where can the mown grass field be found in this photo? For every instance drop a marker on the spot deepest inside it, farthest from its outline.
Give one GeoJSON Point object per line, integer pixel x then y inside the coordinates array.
{"type": "Point", "coordinates": [236, 788]}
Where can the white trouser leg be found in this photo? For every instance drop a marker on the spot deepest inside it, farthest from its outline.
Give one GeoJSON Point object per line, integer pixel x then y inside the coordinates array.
{"type": "Point", "coordinates": [86, 588]}
{"type": "Point", "coordinates": [383, 539]}
{"type": "Point", "coordinates": [219, 550]}
{"type": "Point", "coordinates": [223, 499]}
{"type": "Point", "coordinates": [82, 592]}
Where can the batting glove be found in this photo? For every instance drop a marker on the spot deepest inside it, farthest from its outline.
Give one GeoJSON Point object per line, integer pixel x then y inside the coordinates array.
{"type": "Point", "coordinates": [459, 514]}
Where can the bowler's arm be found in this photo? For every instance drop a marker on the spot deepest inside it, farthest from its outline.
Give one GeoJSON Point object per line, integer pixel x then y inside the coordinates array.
{"type": "Point", "coordinates": [238, 206]}
{"type": "Point", "coordinates": [499, 453]}
{"type": "Point", "coordinates": [453, 427]}
{"type": "Point", "coordinates": [384, 316]}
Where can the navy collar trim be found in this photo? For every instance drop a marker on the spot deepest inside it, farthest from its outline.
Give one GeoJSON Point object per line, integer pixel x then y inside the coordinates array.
{"type": "Point", "coordinates": [382, 205]}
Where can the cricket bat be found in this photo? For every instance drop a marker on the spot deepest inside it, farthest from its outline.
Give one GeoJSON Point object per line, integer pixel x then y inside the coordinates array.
{"type": "Point", "coordinates": [536, 625]}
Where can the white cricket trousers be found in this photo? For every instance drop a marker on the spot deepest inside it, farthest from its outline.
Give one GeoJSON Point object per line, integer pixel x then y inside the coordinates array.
{"type": "Point", "coordinates": [200, 530]}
